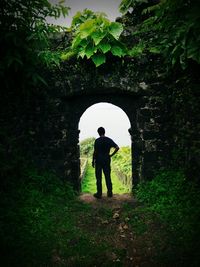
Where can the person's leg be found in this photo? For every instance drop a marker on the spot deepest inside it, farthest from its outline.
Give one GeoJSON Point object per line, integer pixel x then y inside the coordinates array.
{"type": "Point", "coordinates": [107, 173]}
{"type": "Point", "coordinates": [98, 173]}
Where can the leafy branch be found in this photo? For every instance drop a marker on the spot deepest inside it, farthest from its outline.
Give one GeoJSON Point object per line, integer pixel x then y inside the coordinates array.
{"type": "Point", "coordinates": [94, 36]}
{"type": "Point", "coordinates": [25, 43]}
{"type": "Point", "coordinates": [172, 28]}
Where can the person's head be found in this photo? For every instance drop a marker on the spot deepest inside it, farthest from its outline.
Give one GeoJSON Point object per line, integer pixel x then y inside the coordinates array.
{"type": "Point", "coordinates": [101, 131]}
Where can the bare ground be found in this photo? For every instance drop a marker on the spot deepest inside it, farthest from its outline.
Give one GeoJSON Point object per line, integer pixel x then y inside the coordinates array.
{"type": "Point", "coordinates": [133, 242]}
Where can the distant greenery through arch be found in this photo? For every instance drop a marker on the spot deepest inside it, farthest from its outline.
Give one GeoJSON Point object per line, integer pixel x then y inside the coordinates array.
{"type": "Point", "coordinates": [121, 169]}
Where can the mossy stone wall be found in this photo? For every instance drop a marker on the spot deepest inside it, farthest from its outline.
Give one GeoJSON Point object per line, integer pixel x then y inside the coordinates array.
{"type": "Point", "coordinates": [135, 85]}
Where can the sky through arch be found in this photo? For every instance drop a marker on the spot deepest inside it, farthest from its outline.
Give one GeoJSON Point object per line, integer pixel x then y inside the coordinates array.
{"type": "Point", "coordinates": [111, 117]}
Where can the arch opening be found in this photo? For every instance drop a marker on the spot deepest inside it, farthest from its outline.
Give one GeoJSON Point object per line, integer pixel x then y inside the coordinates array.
{"type": "Point", "coordinates": [117, 125]}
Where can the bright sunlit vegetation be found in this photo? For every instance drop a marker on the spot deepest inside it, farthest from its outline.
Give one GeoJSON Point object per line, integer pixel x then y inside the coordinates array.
{"type": "Point", "coordinates": [121, 169]}
{"type": "Point", "coordinates": [89, 182]}
{"type": "Point", "coordinates": [95, 36]}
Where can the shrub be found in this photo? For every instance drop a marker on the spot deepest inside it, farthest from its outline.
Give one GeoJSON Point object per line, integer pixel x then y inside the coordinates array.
{"type": "Point", "coordinates": [32, 216]}
{"type": "Point", "coordinates": [177, 202]}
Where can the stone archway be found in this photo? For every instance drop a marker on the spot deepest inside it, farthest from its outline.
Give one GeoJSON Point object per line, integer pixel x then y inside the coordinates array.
{"type": "Point", "coordinates": [134, 85]}
{"type": "Point", "coordinates": [59, 149]}
{"type": "Point", "coordinates": [137, 86]}
{"type": "Point", "coordinates": [78, 105]}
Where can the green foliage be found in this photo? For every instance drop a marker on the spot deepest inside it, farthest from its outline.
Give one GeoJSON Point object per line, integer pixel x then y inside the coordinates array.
{"type": "Point", "coordinates": [137, 50]}
{"type": "Point", "coordinates": [123, 166]}
{"type": "Point", "coordinates": [81, 17]}
{"type": "Point", "coordinates": [89, 182]}
{"type": "Point", "coordinates": [31, 214]}
{"type": "Point", "coordinates": [121, 163]}
{"type": "Point", "coordinates": [125, 5]}
{"type": "Point", "coordinates": [25, 45]}
{"type": "Point", "coordinates": [121, 170]}
{"type": "Point", "coordinates": [177, 203]}
{"type": "Point", "coordinates": [87, 147]}
{"type": "Point", "coordinates": [94, 37]}
{"type": "Point", "coordinates": [160, 30]}
{"type": "Point", "coordinates": [43, 224]}
{"type": "Point", "coordinates": [179, 38]}
{"type": "Point", "coordinates": [98, 59]}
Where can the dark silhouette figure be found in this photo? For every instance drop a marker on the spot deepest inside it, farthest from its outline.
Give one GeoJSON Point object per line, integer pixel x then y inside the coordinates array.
{"type": "Point", "coordinates": [101, 161]}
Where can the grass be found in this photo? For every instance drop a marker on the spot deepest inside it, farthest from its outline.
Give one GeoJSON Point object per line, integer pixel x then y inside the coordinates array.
{"type": "Point", "coordinates": [42, 223]}
{"type": "Point", "coordinates": [89, 182]}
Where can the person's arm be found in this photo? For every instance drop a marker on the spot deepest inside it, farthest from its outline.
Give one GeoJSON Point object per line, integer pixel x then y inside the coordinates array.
{"type": "Point", "coordinates": [115, 151]}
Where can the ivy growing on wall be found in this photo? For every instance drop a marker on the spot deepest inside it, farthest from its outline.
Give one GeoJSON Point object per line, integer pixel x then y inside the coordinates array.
{"type": "Point", "coordinates": [94, 37]}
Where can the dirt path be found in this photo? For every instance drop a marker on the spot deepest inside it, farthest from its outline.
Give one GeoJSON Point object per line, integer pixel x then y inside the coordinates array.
{"type": "Point", "coordinates": [117, 201]}
{"type": "Point", "coordinates": [130, 239]}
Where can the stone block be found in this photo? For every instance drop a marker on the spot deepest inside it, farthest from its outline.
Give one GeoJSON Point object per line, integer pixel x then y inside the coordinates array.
{"type": "Point", "coordinates": [152, 126]}
{"type": "Point", "coordinates": [151, 145]}
{"type": "Point", "coordinates": [146, 112]}
{"type": "Point", "coordinates": [156, 112]}
{"type": "Point", "coordinates": [138, 145]}
{"type": "Point", "coordinates": [149, 135]}
{"type": "Point", "coordinates": [141, 118]}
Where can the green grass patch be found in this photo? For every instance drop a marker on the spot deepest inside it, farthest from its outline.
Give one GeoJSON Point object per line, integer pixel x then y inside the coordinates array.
{"type": "Point", "coordinates": [175, 201]}
{"type": "Point", "coordinates": [89, 182]}
{"type": "Point", "coordinates": [42, 223]}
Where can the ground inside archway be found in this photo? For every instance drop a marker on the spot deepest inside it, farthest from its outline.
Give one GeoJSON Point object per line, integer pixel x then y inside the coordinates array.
{"type": "Point", "coordinates": [88, 183]}
{"type": "Point", "coordinates": [119, 230]}
{"type": "Point", "coordinates": [117, 201]}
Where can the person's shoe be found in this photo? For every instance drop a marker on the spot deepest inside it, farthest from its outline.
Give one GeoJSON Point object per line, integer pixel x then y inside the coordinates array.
{"type": "Point", "coordinates": [109, 194]}
{"type": "Point", "coordinates": [96, 195]}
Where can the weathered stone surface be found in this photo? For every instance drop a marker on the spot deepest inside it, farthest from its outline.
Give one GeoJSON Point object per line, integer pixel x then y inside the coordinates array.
{"type": "Point", "coordinates": [149, 135]}
{"type": "Point", "coordinates": [131, 84]}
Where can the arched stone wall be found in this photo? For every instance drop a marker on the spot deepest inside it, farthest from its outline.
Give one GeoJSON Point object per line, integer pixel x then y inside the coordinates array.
{"type": "Point", "coordinates": [141, 120]}
{"type": "Point", "coordinates": [79, 105]}
{"type": "Point", "coordinates": [74, 88]}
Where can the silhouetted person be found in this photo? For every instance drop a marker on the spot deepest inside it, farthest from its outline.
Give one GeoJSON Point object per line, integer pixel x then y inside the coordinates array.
{"type": "Point", "coordinates": [101, 161]}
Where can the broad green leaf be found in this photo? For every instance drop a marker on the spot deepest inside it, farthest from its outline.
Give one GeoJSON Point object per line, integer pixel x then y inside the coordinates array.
{"type": "Point", "coordinates": [89, 51]}
{"type": "Point", "coordinates": [102, 22]}
{"type": "Point", "coordinates": [115, 29]}
{"type": "Point", "coordinates": [79, 42]}
{"type": "Point", "coordinates": [117, 51]}
{"type": "Point", "coordinates": [87, 28]}
{"type": "Point", "coordinates": [97, 36]}
{"type": "Point", "coordinates": [81, 53]}
{"type": "Point", "coordinates": [99, 59]}
{"type": "Point", "coordinates": [76, 41]}
{"type": "Point", "coordinates": [105, 47]}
